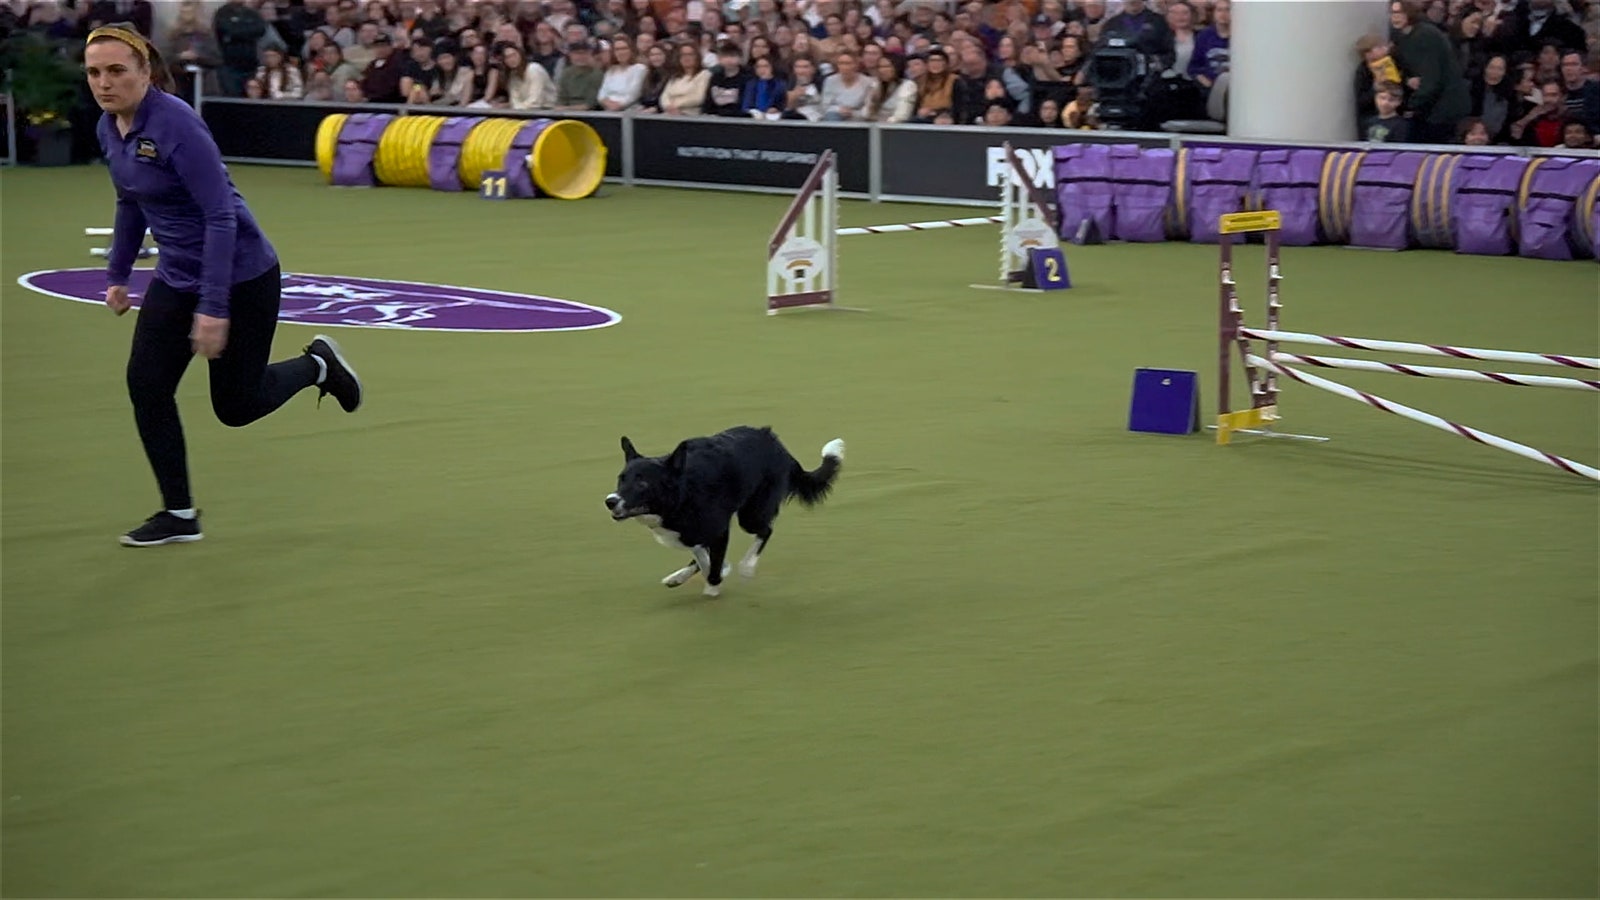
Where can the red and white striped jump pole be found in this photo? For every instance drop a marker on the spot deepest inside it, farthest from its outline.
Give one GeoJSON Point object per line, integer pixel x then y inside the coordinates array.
{"type": "Point", "coordinates": [1416, 415]}
{"type": "Point", "coordinates": [1350, 343]}
{"type": "Point", "coordinates": [1368, 365]}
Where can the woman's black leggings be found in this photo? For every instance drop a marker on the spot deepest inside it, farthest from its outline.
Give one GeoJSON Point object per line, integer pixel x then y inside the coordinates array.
{"type": "Point", "coordinates": [243, 387]}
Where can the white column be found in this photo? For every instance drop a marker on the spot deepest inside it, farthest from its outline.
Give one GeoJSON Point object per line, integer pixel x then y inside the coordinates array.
{"type": "Point", "coordinates": [1292, 67]}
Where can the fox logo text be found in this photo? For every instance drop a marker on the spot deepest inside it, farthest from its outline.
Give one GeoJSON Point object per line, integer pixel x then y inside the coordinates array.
{"type": "Point", "coordinates": [1039, 164]}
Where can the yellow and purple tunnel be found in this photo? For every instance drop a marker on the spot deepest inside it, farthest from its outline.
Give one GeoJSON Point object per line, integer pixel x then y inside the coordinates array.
{"type": "Point", "coordinates": [561, 158]}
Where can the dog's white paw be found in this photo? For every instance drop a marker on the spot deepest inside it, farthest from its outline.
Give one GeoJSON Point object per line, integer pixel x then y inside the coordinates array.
{"type": "Point", "coordinates": [834, 449]}
{"type": "Point", "coordinates": [679, 577]}
{"type": "Point", "coordinates": [712, 590]}
{"type": "Point", "coordinates": [747, 566]}
{"type": "Point", "coordinates": [727, 569]}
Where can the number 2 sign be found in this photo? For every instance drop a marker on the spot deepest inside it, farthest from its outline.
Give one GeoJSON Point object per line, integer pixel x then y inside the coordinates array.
{"type": "Point", "coordinates": [1048, 268]}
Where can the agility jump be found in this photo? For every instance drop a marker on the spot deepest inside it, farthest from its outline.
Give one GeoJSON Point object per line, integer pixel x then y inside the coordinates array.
{"type": "Point", "coordinates": [803, 253]}
{"type": "Point", "coordinates": [1263, 370]}
{"type": "Point", "coordinates": [144, 252]}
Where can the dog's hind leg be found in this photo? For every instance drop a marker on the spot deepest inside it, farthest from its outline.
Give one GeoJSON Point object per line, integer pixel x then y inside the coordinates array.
{"type": "Point", "coordinates": [713, 563]}
{"type": "Point", "coordinates": [747, 566]}
{"type": "Point", "coordinates": [682, 575]}
{"type": "Point", "coordinates": [756, 518]}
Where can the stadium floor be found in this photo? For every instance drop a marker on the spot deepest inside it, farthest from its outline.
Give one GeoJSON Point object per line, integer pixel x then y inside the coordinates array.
{"type": "Point", "coordinates": [1020, 652]}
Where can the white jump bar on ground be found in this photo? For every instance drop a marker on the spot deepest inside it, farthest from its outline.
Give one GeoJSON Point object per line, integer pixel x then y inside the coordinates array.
{"type": "Point", "coordinates": [1417, 415]}
{"type": "Point", "coordinates": [919, 226]}
{"type": "Point", "coordinates": [1369, 365]}
{"type": "Point", "coordinates": [1350, 343]}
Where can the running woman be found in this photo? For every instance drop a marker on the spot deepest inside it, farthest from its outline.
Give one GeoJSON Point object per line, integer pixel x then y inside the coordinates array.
{"type": "Point", "coordinates": [216, 287]}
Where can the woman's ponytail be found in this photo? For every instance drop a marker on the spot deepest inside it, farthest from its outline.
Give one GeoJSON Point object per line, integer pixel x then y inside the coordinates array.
{"type": "Point", "coordinates": [160, 75]}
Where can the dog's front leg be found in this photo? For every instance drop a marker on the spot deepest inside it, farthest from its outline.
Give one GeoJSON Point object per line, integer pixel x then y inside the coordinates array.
{"type": "Point", "coordinates": [713, 565]}
{"type": "Point", "coordinates": [682, 575]}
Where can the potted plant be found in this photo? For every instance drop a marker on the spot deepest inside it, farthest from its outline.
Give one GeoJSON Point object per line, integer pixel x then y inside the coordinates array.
{"type": "Point", "coordinates": [44, 84]}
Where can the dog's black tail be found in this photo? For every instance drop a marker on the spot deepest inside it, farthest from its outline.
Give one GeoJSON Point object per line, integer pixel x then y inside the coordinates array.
{"type": "Point", "coordinates": [811, 487]}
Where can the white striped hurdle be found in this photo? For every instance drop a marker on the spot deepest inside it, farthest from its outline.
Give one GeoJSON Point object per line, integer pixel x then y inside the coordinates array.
{"type": "Point", "coordinates": [803, 254]}
{"type": "Point", "coordinates": [1261, 369]}
{"type": "Point", "coordinates": [1416, 415]}
{"type": "Point", "coordinates": [144, 252]}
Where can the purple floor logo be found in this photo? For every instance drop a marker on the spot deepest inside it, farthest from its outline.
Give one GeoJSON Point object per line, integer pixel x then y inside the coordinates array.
{"type": "Point", "coordinates": [336, 301]}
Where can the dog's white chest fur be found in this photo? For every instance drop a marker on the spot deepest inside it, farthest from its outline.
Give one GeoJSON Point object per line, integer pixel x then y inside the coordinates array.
{"type": "Point", "coordinates": [666, 537]}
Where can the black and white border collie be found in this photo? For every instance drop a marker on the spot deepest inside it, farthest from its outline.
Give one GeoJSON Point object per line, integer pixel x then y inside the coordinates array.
{"type": "Point", "coordinates": [689, 497]}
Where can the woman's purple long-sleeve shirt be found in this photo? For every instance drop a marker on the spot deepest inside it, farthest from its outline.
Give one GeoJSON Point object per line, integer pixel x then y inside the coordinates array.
{"type": "Point", "coordinates": [169, 177]}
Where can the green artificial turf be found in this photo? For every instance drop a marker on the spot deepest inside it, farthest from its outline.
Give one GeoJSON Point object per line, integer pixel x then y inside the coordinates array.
{"type": "Point", "coordinates": [1020, 652]}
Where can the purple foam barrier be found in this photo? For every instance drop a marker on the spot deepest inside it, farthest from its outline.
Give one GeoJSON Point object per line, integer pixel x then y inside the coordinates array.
{"type": "Point", "coordinates": [519, 178]}
{"type": "Point", "coordinates": [1289, 181]}
{"type": "Point", "coordinates": [1484, 205]}
{"type": "Point", "coordinates": [444, 154]}
{"type": "Point", "coordinates": [1218, 182]}
{"type": "Point", "coordinates": [1381, 217]}
{"type": "Point", "coordinates": [1594, 231]}
{"type": "Point", "coordinates": [358, 144]}
{"type": "Point", "coordinates": [1142, 181]}
{"type": "Point", "coordinates": [1582, 236]}
{"type": "Point", "coordinates": [1544, 221]}
{"type": "Point", "coordinates": [1083, 188]}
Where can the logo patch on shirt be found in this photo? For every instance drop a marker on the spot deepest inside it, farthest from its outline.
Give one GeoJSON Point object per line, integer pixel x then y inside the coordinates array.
{"type": "Point", "coordinates": [146, 149]}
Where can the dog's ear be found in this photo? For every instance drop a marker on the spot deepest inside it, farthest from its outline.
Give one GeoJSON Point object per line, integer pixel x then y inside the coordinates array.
{"type": "Point", "coordinates": [680, 455]}
{"type": "Point", "coordinates": [628, 453]}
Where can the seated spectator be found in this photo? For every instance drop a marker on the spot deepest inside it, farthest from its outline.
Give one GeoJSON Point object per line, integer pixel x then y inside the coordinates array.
{"type": "Point", "coordinates": [1388, 126]}
{"type": "Point", "coordinates": [894, 96]}
{"type": "Point", "coordinates": [1582, 92]}
{"type": "Point", "coordinates": [1542, 125]}
{"type": "Point", "coordinates": [685, 92]}
{"type": "Point", "coordinates": [453, 84]}
{"type": "Point", "coordinates": [488, 86]}
{"type": "Point", "coordinates": [656, 75]}
{"type": "Point", "coordinates": [623, 83]}
{"type": "Point", "coordinates": [528, 85]}
{"type": "Point", "coordinates": [1071, 60]}
{"type": "Point", "coordinates": [1375, 66]}
{"type": "Point", "coordinates": [381, 80]}
{"type": "Point", "coordinates": [419, 74]}
{"type": "Point", "coordinates": [545, 49]}
{"type": "Point", "coordinates": [972, 81]}
{"type": "Point", "coordinates": [191, 42]}
{"type": "Point", "coordinates": [1575, 135]}
{"type": "Point", "coordinates": [1494, 98]}
{"type": "Point", "coordinates": [846, 92]}
{"type": "Point", "coordinates": [319, 89]}
{"type": "Point", "coordinates": [332, 61]}
{"type": "Point", "coordinates": [1077, 114]}
{"type": "Point", "coordinates": [936, 89]}
{"type": "Point", "coordinates": [1474, 132]}
{"type": "Point", "coordinates": [1470, 43]}
{"type": "Point", "coordinates": [764, 92]}
{"type": "Point", "coordinates": [803, 100]}
{"type": "Point", "coordinates": [353, 92]}
{"type": "Point", "coordinates": [725, 88]}
{"type": "Point", "coordinates": [364, 50]}
{"type": "Point", "coordinates": [1049, 115]}
{"type": "Point", "coordinates": [579, 84]}
{"type": "Point", "coordinates": [997, 114]}
{"type": "Point", "coordinates": [282, 81]}
{"type": "Point", "coordinates": [254, 89]}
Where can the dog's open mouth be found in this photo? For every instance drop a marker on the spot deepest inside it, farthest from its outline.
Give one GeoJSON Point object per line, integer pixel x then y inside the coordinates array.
{"type": "Point", "coordinates": [622, 512]}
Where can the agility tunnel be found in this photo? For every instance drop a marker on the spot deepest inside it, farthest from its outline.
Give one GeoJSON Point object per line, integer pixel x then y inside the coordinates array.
{"type": "Point", "coordinates": [560, 158]}
{"type": "Point", "coordinates": [1385, 197]}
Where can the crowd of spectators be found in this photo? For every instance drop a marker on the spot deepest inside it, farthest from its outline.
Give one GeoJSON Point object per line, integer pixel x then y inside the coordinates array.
{"type": "Point", "coordinates": [1447, 71]}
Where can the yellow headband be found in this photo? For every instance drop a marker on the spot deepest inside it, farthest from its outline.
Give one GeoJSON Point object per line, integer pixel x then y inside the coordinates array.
{"type": "Point", "coordinates": [132, 39]}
